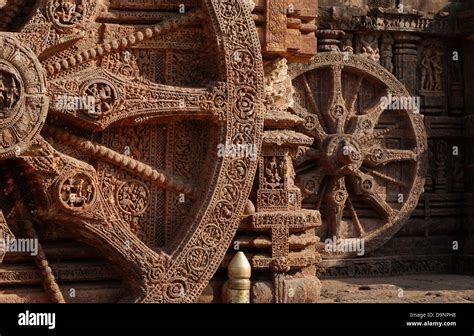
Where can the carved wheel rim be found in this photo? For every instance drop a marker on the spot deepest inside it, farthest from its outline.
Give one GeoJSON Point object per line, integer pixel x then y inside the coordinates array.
{"type": "Point", "coordinates": [349, 166]}
{"type": "Point", "coordinates": [236, 104]}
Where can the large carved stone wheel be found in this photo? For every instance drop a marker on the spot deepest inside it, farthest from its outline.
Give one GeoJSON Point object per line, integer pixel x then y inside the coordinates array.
{"type": "Point", "coordinates": [97, 169]}
{"type": "Point", "coordinates": [365, 170]}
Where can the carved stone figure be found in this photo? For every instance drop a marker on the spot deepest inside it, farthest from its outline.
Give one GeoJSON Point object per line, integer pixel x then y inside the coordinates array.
{"type": "Point", "coordinates": [386, 53]}
{"type": "Point", "coordinates": [368, 46]}
{"type": "Point", "coordinates": [278, 84]}
{"type": "Point", "coordinates": [458, 171]}
{"type": "Point", "coordinates": [431, 67]}
{"type": "Point", "coordinates": [77, 192]}
{"type": "Point", "coordinates": [347, 44]}
{"type": "Point", "coordinates": [426, 70]}
{"type": "Point", "coordinates": [437, 70]}
{"type": "Point", "coordinates": [103, 97]}
{"type": "Point", "coordinates": [440, 164]}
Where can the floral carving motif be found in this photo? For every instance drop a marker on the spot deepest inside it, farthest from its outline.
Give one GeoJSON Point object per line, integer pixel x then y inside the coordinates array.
{"type": "Point", "coordinates": [68, 12]}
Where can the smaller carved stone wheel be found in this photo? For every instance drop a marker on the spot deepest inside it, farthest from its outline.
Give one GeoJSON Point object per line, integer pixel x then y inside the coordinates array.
{"type": "Point", "coordinates": [365, 170]}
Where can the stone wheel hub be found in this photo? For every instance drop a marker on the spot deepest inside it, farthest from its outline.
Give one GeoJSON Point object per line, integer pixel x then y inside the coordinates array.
{"type": "Point", "coordinates": [342, 154]}
{"type": "Point", "coordinates": [23, 100]}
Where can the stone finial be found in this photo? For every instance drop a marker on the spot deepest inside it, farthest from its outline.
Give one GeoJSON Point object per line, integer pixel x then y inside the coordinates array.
{"type": "Point", "coordinates": [238, 285]}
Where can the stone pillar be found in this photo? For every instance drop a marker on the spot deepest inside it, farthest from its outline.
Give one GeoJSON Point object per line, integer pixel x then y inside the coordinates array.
{"type": "Point", "coordinates": [406, 57]}
{"type": "Point", "coordinates": [279, 213]}
{"type": "Point", "coordinates": [329, 39]}
{"type": "Point", "coordinates": [276, 233]}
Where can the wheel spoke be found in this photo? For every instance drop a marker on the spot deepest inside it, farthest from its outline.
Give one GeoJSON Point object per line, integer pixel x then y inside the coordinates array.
{"type": "Point", "coordinates": [310, 96]}
{"type": "Point", "coordinates": [312, 121]}
{"type": "Point", "coordinates": [337, 111]}
{"type": "Point", "coordinates": [365, 123]}
{"type": "Point", "coordinates": [336, 76]}
{"type": "Point", "coordinates": [378, 134]}
{"type": "Point", "coordinates": [308, 153]}
{"type": "Point", "coordinates": [177, 102]}
{"type": "Point", "coordinates": [336, 201]}
{"type": "Point", "coordinates": [384, 177]}
{"type": "Point", "coordinates": [160, 103]}
{"type": "Point", "coordinates": [382, 206]}
{"type": "Point", "coordinates": [353, 97]}
{"type": "Point", "coordinates": [379, 155]}
{"type": "Point", "coordinates": [364, 185]}
{"type": "Point", "coordinates": [312, 153]}
{"type": "Point", "coordinates": [310, 182]}
{"type": "Point", "coordinates": [322, 192]}
{"type": "Point", "coordinates": [157, 177]}
{"type": "Point", "coordinates": [355, 219]}
{"type": "Point", "coordinates": [313, 105]}
{"type": "Point", "coordinates": [120, 43]}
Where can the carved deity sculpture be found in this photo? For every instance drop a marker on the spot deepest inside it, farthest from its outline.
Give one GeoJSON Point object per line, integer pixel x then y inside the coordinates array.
{"type": "Point", "coordinates": [368, 46]}
{"type": "Point", "coordinates": [458, 172]}
{"type": "Point", "coordinates": [387, 52]}
{"type": "Point", "coordinates": [278, 84]}
{"type": "Point", "coordinates": [346, 43]}
{"type": "Point", "coordinates": [437, 70]}
{"type": "Point", "coordinates": [426, 74]}
{"type": "Point", "coordinates": [431, 67]}
{"type": "Point", "coordinates": [273, 173]}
